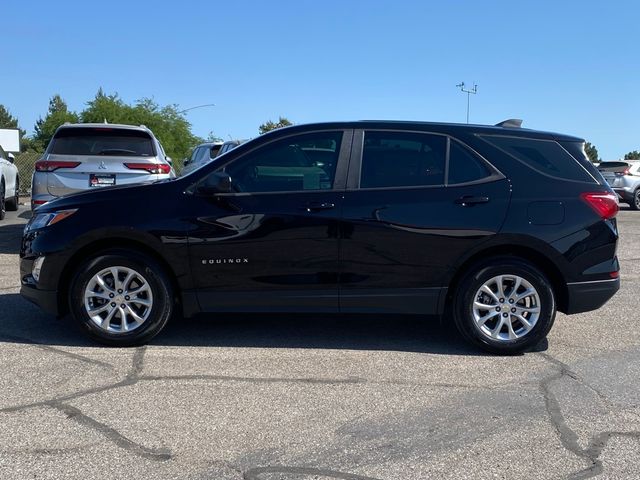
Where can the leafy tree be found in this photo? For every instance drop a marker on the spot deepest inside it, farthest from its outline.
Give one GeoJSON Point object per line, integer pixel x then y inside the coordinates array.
{"type": "Point", "coordinates": [212, 137]}
{"type": "Point", "coordinates": [592, 152]}
{"type": "Point", "coordinates": [167, 123]}
{"type": "Point", "coordinates": [635, 155]}
{"type": "Point", "coordinates": [270, 125]}
{"type": "Point", "coordinates": [57, 115]}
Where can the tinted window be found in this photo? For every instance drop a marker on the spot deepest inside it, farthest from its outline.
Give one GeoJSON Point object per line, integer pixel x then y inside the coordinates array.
{"type": "Point", "coordinates": [400, 159]}
{"type": "Point", "coordinates": [464, 166]}
{"type": "Point", "coordinates": [545, 156]}
{"type": "Point", "coordinates": [304, 162]}
{"type": "Point", "coordinates": [102, 141]}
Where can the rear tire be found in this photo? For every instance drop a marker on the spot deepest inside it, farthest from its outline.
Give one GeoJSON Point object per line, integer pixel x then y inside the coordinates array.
{"type": "Point", "coordinates": [121, 298]}
{"type": "Point", "coordinates": [3, 208]}
{"type": "Point", "coordinates": [13, 203]}
{"type": "Point", "coordinates": [504, 305]}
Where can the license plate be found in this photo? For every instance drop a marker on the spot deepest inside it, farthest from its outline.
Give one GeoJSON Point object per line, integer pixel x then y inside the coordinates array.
{"type": "Point", "coordinates": [102, 180]}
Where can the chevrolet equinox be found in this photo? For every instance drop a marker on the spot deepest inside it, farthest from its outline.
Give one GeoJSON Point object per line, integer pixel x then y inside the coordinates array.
{"type": "Point", "coordinates": [496, 227]}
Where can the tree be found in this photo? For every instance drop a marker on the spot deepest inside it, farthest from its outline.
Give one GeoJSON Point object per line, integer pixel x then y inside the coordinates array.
{"type": "Point", "coordinates": [270, 125]}
{"type": "Point", "coordinates": [167, 123]}
{"type": "Point", "coordinates": [635, 155]}
{"type": "Point", "coordinates": [592, 152]}
{"type": "Point", "coordinates": [57, 115]}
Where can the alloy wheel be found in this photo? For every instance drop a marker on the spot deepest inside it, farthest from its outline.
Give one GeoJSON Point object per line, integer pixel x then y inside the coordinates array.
{"type": "Point", "coordinates": [506, 308]}
{"type": "Point", "coordinates": [118, 299]}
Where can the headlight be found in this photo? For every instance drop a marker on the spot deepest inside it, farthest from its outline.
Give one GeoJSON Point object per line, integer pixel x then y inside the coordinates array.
{"type": "Point", "coordinates": [41, 220]}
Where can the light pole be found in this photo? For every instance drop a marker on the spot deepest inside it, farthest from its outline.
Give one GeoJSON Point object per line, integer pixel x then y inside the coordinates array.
{"type": "Point", "coordinates": [474, 90]}
{"type": "Point", "coordinates": [197, 106]}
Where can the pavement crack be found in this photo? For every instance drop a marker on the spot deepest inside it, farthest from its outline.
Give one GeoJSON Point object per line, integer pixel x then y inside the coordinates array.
{"type": "Point", "coordinates": [112, 434]}
{"type": "Point", "coordinates": [257, 473]}
{"type": "Point", "coordinates": [59, 351]}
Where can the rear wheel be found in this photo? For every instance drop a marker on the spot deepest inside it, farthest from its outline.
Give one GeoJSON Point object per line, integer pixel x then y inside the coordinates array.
{"type": "Point", "coordinates": [635, 201]}
{"type": "Point", "coordinates": [13, 203]}
{"type": "Point", "coordinates": [121, 298]}
{"type": "Point", "coordinates": [504, 305]}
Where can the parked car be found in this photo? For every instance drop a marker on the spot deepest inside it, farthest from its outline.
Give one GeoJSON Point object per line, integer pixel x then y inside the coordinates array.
{"type": "Point", "coordinates": [496, 227]}
{"type": "Point", "coordinates": [9, 183]}
{"type": "Point", "coordinates": [94, 155]}
{"type": "Point", "coordinates": [202, 154]}
{"type": "Point", "coordinates": [624, 178]}
{"type": "Point", "coordinates": [230, 145]}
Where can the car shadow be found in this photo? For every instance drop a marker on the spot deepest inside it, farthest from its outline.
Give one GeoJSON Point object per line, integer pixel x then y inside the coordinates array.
{"type": "Point", "coordinates": [10, 237]}
{"type": "Point", "coordinates": [25, 323]}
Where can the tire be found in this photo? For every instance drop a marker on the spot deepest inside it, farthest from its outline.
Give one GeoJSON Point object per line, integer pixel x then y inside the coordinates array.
{"type": "Point", "coordinates": [147, 309]}
{"type": "Point", "coordinates": [483, 327]}
{"type": "Point", "coordinates": [635, 201]}
{"type": "Point", "coordinates": [13, 203]}
{"type": "Point", "coordinates": [3, 208]}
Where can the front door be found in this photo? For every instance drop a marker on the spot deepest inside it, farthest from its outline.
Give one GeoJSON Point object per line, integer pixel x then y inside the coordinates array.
{"type": "Point", "coordinates": [273, 243]}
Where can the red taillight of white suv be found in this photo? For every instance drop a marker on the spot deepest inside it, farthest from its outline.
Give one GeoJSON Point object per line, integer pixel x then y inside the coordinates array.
{"type": "Point", "coordinates": [603, 203]}
{"type": "Point", "coordinates": [51, 166]}
{"type": "Point", "coordinates": [150, 167]}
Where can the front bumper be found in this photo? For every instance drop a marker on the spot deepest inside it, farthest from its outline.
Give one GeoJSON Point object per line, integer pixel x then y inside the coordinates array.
{"type": "Point", "coordinates": [47, 300]}
{"type": "Point", "coordinates": [587, 296]}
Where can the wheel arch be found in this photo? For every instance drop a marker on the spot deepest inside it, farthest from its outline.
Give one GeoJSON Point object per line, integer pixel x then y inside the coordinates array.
{"type": "Point", "coordinates": [96, 247]}
{"type": "Point", "coordinates": [531, 255]}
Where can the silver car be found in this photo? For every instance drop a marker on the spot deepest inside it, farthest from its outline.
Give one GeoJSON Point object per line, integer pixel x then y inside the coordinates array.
{"type": "Point", "coordinates": [95, 155]}
{"type": "Point", "coordinates": [624, 178]}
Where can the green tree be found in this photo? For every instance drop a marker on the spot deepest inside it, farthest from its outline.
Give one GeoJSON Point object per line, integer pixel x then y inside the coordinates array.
{"type": "Point", "coordinates": [167, 123]}
{"type": "Point", "coordinates": [57, 114]}
{"type": "Point", "coordinates": [270, 125]}
{"type": "Point", "coordinates": [592, 152]}
{"type": "Point", "coordinates": [635, 155]}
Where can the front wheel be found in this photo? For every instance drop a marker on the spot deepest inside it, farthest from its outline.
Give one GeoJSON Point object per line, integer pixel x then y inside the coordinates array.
{"type": "Point", "coordinates": [504, 305]}
{"type": "Point", "coordinates": [14, 202]}
{"type": "Point", "coordinates": [635, 201]}
{"type": "Point", "coordinates": [121, 298]}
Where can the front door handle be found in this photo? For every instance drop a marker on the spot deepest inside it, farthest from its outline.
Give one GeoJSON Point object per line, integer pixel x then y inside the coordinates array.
{"type": "Point", "coordinates": [316, 206]}
{"type": "Point", "coordinates": [470, 200]}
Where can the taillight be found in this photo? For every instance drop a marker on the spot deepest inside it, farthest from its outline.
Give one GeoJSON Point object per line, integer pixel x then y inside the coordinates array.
{"type": "Point", "coordinates": [50, 166]}
{"type": "Point", "coordinates": [604, 204]}
{"type": "Point", "coordinates": [150, 167]}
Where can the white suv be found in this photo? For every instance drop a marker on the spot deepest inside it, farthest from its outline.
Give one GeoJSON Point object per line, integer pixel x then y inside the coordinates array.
{"type": "Point", "coordinates": [95, 155]}
{"type": "Point", "coordinates": [9, 183]}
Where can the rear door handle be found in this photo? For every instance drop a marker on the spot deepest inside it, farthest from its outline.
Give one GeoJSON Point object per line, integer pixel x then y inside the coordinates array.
{"type": "Point", "coordinates": [470, 200]}
{"type": "Point", "coordinates": [316, 206]}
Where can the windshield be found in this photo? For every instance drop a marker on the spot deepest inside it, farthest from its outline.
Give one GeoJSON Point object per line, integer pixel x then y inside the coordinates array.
{"type": "Point", "coordinates": [102, 141]}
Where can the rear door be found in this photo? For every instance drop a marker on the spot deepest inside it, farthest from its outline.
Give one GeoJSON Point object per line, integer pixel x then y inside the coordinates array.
{"type": "Point", "coordinates": [83, 158]}
{"type": "Point", "coordinates": [415, 203]}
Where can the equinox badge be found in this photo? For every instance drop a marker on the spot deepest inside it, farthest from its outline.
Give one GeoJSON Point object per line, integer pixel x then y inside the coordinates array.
{"type": "Point", "coordinates": [220, 261]}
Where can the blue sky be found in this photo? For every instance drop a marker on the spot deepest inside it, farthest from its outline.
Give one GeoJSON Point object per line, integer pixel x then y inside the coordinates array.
{"type": "Point", "coordinates": [568, 66]}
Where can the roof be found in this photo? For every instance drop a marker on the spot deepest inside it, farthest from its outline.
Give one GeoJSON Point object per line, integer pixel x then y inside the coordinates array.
{"type": "Point", "coordinates": [105, 125]}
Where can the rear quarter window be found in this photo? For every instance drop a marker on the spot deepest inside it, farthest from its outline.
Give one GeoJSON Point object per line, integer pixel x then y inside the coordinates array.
{"type": "Point", "coordinates": [545, 156]}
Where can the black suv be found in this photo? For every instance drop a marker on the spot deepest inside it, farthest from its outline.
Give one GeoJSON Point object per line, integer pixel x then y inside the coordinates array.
{"type": "Point", "coordinates": [497, 227]}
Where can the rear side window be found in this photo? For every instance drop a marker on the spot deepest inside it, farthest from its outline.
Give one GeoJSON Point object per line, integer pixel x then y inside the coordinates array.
{"type": "Point", "coordinates": [102, 141]}
{"type": "Point", "coordinates": [464, 166]}
{"type": "Point", "coordinates": [397, 159]}
{"type": "Point", "coordinates": [545, 156]}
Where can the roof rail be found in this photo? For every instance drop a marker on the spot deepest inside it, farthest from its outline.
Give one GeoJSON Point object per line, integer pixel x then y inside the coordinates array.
{"type": "Point", "coordinates": [510, 123]}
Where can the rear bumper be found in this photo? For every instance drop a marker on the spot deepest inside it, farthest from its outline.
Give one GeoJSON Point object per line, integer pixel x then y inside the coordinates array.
{"type": "Point", "coordinates": [587, 296]}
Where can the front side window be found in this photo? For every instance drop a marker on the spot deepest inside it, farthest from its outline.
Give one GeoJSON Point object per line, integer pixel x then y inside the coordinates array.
{"type": "Point", "coordinates": [302, 162]}
{"type": "Point", "coordinates": [402, 159]}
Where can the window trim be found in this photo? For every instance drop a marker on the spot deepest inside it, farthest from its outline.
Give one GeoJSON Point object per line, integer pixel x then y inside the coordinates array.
{"type": "Point", "coordinates": [357, 153]}
{"type": "Point", "coordinates": [340, 174]}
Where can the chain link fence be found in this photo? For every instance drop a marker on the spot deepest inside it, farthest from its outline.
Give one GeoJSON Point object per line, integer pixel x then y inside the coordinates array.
{"type": "Point", "coordinates": [25, 163]}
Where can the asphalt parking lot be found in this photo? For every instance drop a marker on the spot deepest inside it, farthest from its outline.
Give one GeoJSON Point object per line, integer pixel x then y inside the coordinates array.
{"type": "Point", "coordinates": [302, 398]}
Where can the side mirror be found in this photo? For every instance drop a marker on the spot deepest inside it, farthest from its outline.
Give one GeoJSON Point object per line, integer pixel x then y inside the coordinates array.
{"type": "Point", "coordinates": [217, 182]}
{"type": "Point", "coordinates": [11, 157]}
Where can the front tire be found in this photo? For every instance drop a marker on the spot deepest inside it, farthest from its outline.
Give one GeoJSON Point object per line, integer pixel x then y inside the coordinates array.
{"type": "Point", "coordinates": [121, 298]}
{"type": "Point", "coordinates": [3, 208]}
{"type": "Point", "coordinates": [504, 305]}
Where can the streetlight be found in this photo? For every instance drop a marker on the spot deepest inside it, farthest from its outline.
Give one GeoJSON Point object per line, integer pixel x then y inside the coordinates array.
{"type": "Point", "coordinates": [474, 90]}
{"type": "Point", "coordinates": [198, 106]}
